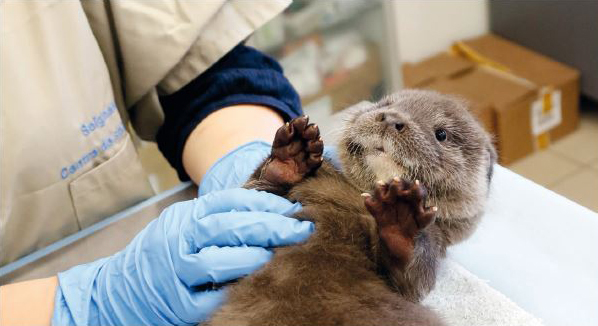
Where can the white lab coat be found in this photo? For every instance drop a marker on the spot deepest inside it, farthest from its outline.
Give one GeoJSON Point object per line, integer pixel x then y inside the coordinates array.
{"type": "Point", "coordinates": [74, 77]}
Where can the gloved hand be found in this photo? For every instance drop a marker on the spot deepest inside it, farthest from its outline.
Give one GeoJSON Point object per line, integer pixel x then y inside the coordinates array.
{"type": "Point", "coordinates": [213, 239]}
{"type": "Point", "coordinates": [233, 169]}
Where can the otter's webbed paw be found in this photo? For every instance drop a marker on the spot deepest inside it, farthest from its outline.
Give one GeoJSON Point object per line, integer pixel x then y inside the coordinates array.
{"type": "Point", "coordinates": [296, 152]}
{"type": "Point", "coordinates": [398, 208]}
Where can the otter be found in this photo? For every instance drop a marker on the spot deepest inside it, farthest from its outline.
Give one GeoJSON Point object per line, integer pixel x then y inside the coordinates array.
{"type": "Point", "coordinates": [414, 177]}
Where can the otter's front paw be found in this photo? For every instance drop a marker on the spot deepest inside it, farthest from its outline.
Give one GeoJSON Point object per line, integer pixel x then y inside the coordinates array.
{"type": "Point", "coordinates": [398, 207]}
{"type": "Point", "coordinates": [296, 152]}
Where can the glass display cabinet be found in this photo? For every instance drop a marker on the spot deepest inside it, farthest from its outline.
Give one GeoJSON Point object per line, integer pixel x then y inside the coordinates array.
{"type": "Point", "coordinates": [335, 53]}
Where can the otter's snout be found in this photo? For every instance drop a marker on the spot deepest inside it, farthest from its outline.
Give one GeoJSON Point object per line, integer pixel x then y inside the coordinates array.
{"type": "Point", "coordinates": [391, 120]}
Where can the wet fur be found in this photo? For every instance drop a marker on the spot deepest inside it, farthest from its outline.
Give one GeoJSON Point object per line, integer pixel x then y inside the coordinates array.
{"type": "Point", "coordinates": [343, 275]}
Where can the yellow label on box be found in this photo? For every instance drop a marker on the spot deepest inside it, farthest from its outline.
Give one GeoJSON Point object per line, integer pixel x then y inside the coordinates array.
{"type": "Point", "coordinates": [546, 112]}
{"type": "Point", "coordinates": [543, 140]}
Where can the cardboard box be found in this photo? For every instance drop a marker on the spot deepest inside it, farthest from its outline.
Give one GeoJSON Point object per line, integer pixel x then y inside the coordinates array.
{"type": "Point", "coordinates": [547, 74]}
{"type": "Point", "coordinates": [524, 99]}
{"type": "Point", "coordinates": [439, 66]}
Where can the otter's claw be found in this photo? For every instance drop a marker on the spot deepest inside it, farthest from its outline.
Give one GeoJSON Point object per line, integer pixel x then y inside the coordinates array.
{"type": "Point", "coordinates": [296, 152]}
{"type": "Point", "coordinates": [398, 208]}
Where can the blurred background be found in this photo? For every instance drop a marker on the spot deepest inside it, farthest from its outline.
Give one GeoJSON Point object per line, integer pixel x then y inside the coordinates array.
{"type": "Point", "coordinates": [529, 69]}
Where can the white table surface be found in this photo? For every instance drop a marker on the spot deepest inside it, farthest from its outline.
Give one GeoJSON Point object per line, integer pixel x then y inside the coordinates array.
{"type": "Point", "coordinates": [536, 247]}
{"type": "Point", "coordinates": [539, 249]}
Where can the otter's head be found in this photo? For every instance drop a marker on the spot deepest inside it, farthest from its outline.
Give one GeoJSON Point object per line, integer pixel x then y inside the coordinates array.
{"type": "Point", "coordinates": [420, 135]}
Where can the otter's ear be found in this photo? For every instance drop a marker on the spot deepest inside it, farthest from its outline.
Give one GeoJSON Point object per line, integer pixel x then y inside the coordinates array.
{"type": "Point", "coordinates": [491, 160]}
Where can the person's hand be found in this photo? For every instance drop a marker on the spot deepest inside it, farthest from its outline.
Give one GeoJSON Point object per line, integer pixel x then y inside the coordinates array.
{"type": "Point", "coordinates": [216, 238]}
{"type": "Point", "coordinates": [235, 168]}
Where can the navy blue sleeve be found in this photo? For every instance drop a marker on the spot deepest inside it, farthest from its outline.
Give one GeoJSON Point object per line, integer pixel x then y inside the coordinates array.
{"type": "Point", "coordinates": [243, 76]}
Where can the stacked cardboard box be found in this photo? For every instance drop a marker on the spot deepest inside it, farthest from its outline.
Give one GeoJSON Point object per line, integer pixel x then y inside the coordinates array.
{"type": "Point", "coordinates": [523, 98]}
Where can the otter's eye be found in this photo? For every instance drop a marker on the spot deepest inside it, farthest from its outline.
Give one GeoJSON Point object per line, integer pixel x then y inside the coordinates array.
{"type": "Point", "coordinates": [440, 134]}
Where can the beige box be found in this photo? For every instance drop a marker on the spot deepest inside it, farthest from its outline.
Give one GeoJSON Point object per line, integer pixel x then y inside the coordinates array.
{"type": "Point", "coordinates": [538, 69]}
{"type": "Point", "coordinates": [524, 99]}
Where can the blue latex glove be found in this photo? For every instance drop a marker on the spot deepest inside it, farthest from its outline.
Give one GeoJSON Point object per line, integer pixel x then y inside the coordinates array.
{"type": "Point", "coordinates": [216, 238]}
{"type": "Point", "coordinates": [233, 169]}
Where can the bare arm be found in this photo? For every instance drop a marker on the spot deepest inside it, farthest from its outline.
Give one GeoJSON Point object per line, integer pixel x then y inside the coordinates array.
{"type": "Point", "coordinates": [224, 130]}
{"type": "Point", "coordinates": [28, 303]}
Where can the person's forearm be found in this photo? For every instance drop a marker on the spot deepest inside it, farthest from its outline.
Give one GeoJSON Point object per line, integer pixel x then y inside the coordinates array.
{"type": "Point", "coordinates": [28, 303]}
{"type": "Point", "coordinates": [224, 130]}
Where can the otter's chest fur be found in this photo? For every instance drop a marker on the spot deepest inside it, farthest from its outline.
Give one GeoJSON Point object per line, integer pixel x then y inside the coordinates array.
{"type": "Point", "coordinates": [330, 279]}
{"type": "Point", "coordinates": [337, 209]}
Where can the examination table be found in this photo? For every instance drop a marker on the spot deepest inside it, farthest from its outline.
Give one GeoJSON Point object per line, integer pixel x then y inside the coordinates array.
{"type": "Point", "coordinates": [537, 248]}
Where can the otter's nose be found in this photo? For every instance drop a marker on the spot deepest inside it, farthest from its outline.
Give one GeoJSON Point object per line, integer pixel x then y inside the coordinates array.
{"type": "Point", "coordinates": [391, 121]}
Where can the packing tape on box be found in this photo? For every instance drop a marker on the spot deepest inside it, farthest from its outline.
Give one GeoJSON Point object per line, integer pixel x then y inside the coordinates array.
{"type": "Point", "coordinates": [463, 50]}
{"type": "Point", "coordinates": [545, 111]}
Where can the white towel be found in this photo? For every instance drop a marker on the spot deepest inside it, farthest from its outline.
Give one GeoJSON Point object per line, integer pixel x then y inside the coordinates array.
{"type": "Point", "coordinates": [461, 298]}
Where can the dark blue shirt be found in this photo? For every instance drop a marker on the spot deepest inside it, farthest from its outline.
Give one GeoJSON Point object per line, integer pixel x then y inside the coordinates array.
{"type": "Point", "coordinates": [243, 76]}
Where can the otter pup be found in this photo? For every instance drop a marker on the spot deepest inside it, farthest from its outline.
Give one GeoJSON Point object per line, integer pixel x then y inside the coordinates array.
{"type": "Point", "coordinates": [415, 174]}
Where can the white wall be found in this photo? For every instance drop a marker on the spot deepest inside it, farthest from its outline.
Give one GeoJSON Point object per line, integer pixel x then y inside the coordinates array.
{"type": "Point", "coordinates": [426, 27]}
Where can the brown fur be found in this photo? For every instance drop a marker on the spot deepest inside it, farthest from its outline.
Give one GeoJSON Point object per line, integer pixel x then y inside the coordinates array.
{"type": "Point", "coordinates": [344, 275]}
